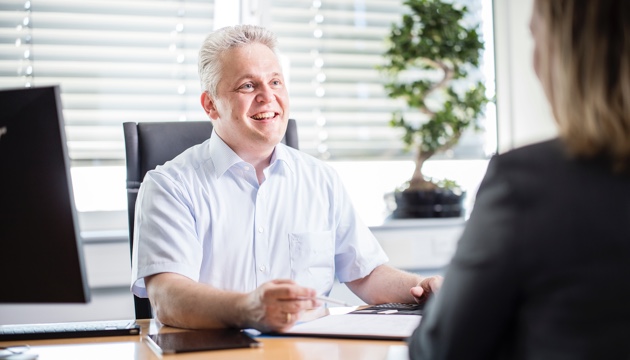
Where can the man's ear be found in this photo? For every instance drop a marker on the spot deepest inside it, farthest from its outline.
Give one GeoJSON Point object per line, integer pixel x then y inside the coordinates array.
{"type": "Point", "coordinates": [209, 105]}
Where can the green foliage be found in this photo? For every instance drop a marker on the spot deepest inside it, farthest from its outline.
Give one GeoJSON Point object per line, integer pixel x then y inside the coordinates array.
{"type": "Point", "coordinates": [432, 38]}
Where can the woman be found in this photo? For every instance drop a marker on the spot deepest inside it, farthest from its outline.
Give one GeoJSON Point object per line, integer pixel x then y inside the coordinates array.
{"type": "Point", "coordinates": [542, 270]}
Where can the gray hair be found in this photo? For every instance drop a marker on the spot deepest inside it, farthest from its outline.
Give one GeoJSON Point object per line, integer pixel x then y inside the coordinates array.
{"type": "Point", "coordinates": [225, 39]}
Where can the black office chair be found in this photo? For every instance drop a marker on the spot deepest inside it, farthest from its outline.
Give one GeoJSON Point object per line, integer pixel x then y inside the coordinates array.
{"type": "Point", "coordinates": [149, 144]}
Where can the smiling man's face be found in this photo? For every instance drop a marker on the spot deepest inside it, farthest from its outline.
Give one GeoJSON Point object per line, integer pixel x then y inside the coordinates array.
{"type": "Point", "coordinates": [251, 110]}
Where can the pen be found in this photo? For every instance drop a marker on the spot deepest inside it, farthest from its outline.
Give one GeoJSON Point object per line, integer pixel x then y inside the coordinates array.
{"type": "Point", "coordinates": [326, 299]}
{"type": "Point", "coordinates": [331, 300]}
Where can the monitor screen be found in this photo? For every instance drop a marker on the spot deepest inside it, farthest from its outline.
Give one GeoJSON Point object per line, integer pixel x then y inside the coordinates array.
{"type": "Point", "coordinates": [41, 258]}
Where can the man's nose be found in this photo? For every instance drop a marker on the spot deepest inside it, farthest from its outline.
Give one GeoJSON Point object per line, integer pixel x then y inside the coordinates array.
{"type": "Point", "coordinates": [265, 94]}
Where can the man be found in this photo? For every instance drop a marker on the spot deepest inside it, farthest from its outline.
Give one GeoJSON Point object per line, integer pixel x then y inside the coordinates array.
{"type": "Point", "coordinates": [242, 231]}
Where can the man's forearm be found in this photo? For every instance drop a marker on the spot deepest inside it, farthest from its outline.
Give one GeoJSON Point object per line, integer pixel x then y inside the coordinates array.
{"type": "Point", "coordinates": [273, 306]}
{"type": "Point", "coordinates": [181, 302]}
{"type": "Point", "coordinates": [385, 284]}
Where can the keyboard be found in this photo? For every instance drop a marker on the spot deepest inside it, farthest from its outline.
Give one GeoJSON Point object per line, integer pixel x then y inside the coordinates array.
{"type": "Point", "coordinates": [68, 330]}
{"type": "Point", "coordinates": [391, 308]}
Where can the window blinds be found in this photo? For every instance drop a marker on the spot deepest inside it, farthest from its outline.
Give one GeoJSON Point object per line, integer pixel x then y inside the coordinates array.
{"type": "Point", "coordinates": [115, 61]}
{"type": "Point", "coordinates": [135, 60]}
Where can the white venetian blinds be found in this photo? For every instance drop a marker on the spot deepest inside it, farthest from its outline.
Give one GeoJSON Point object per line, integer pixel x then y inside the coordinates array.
{"type": "Point", "coordinates": [135, 60]}
{"type": "Point", "coordinates": [115, 61]}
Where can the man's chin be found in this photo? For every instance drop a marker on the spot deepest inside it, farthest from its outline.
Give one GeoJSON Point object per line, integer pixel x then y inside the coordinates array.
{"type": "Point", "coordinates": [268, 139]}
{"type": "Point", "coordinates": [272, 134]}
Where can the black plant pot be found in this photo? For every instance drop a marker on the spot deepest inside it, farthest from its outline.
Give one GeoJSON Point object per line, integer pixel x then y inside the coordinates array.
{"type": "Point", "coordinates": [439, 203]}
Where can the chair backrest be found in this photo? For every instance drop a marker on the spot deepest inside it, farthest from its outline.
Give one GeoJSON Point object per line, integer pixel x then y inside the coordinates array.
{"type": "Point", "coordinates": [149, 144]}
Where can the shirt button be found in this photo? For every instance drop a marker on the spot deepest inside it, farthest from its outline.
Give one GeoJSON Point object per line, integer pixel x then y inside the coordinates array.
{"type": "Point", "coordinates": [262, 268]}
{"type": "Point", "coordinates": [246, 168]}
{"type": "Point", "coordinates": [260, 229]}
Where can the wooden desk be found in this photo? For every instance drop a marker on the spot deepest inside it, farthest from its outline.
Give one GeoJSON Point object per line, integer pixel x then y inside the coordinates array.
{"type": "Point", "coordinates": [294, 348]}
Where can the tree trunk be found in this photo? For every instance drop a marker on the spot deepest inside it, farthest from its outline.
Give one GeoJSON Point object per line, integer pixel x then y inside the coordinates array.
{"type": "Point", "coordinates": [418, 182]}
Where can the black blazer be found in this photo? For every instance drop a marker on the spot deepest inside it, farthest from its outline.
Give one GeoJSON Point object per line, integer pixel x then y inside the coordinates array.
{"type": "Point", "coordinates": [542, 270]}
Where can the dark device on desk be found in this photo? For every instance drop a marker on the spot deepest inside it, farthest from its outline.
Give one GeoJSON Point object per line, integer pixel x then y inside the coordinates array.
{"type": "Point", "coordinates": [200, 340]}
{"type": "Point", "coordinates": [40, 245]}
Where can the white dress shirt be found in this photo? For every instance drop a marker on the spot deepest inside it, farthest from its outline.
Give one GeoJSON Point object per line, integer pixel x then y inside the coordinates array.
{"type": "Point", "coordinates": [204, 215]}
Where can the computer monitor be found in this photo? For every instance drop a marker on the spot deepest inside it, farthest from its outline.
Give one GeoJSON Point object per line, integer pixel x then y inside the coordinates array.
{"type": "Point", "coordinates": [41, 257]}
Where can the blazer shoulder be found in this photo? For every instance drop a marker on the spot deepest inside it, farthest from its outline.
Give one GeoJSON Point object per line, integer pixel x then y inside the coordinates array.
{"type": "Point", "coordinates": [543, 152]}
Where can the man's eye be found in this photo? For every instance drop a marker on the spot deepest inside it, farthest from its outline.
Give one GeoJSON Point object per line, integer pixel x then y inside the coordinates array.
{"type": "Point", "coordinates": [276, 82]}
{"type": "Point", "coordinates": [247, 86]}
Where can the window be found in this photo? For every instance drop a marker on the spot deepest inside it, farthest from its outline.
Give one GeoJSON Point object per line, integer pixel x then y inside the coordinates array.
{"type": "Point", "coordinates": [136, 60]}
{"type": "Point", "coordinates": [332, 48]}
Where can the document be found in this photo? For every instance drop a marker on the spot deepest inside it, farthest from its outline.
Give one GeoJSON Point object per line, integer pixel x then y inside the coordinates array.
{"type": "Point", "coordinates": [358, 326]}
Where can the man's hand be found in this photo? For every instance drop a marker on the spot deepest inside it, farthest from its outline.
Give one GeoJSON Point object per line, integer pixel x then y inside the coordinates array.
{"type": "Point", "coordinates": [425, 288]}
{"type": "Point", "coordinates": [277, 305]}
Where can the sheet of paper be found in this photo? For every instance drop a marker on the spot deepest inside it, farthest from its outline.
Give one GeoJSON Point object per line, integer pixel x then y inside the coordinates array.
{"type": "Point", "coordinates": [361, 326]}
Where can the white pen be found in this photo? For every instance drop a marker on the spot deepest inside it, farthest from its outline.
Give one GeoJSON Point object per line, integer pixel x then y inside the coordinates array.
{"type": "Point", "coordinates": [327, 300]}
{"type": "Point", "coordinates": [331, 300]}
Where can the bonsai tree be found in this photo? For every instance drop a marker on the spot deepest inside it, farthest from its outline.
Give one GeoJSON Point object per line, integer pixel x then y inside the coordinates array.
{"type": "Point", "coordinates": [429, 57]}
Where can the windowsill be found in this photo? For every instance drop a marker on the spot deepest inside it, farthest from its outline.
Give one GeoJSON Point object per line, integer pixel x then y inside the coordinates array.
{"type": "Point", "coordinates": [104, 236]}
{"type": "Point", "coordinates": [425, 223]}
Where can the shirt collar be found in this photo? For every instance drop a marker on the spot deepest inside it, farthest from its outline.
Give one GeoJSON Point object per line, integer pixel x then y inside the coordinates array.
{"type": "Point", "coordinates": [281, 155]}
{"type": "Point", "coordinates": [223, 157]}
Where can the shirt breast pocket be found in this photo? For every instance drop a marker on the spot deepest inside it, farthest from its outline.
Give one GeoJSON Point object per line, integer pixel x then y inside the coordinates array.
{"type": "Point", "coordinates": [313, 259]}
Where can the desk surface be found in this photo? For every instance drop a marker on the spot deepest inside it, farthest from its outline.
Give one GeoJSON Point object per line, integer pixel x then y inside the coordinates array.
{"type": "Point", "coordinates": [294, 348]}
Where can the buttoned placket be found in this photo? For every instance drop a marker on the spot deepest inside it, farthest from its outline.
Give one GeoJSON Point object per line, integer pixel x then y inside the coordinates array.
{"type": "Point", "coordinates": [261, 238]}
{"type": "Point", "coordinates": [260, 230]}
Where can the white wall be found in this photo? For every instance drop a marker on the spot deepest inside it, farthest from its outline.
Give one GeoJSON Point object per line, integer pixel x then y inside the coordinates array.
{"type": "Point", "coordinates": [523, 113]}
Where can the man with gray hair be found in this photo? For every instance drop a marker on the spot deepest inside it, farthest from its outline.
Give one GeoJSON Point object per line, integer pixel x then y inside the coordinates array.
{"type": "Point", "coordinates": [243, 231]}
